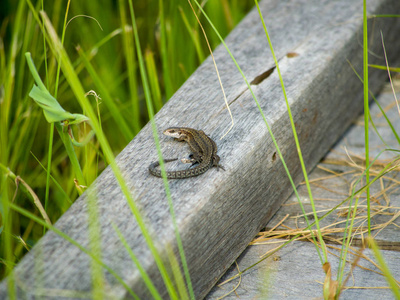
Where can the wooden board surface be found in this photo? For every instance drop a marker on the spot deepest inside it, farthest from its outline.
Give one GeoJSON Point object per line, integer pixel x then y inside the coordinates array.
{"type": "Point", "coordinates": [295, 272]}
{"type": "Point", "coordinates": [333, 179]}
{"type": "Point", "coordinates": [218, 213]}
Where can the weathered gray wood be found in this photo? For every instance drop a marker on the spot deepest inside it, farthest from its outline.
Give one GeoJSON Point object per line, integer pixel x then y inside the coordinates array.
{"type": "Point", "coordinates": [218, 213]}
{"type": "Point", "coordinates": [295, 272]}
{"type": "Point", "coordinates": [329, 191]}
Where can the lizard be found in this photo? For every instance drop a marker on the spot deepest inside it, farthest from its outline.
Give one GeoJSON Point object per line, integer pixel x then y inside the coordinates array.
{"type": "Point", "coordinates": [204, 153]}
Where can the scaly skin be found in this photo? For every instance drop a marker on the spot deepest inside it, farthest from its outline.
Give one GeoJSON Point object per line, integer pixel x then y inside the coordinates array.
{"type": "Point", "coordinates": [204, 153]}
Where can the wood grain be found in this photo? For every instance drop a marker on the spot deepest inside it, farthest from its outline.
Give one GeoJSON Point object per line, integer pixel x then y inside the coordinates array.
{"type": "Point", "coordinates": [295, 271]}
{"type": "Point", "coordinates": [218, 213]}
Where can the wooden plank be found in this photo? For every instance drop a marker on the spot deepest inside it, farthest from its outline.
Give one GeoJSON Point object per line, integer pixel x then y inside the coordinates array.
{"type": "Point", "coordinates": [218, 213]}
{"type": "Point", "coordinates": [296, 271]}
{"type": "Point", "coordinates": [333, 179]}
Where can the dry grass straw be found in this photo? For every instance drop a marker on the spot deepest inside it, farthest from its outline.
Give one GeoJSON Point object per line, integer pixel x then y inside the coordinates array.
{"type": "Point", "coordinates": [353, 166]}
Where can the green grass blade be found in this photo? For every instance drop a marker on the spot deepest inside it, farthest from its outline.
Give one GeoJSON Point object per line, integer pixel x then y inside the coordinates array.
{"type": "Point", "coordinates": [391, 69]}
{"type": "Point", "coordinates": [134, 258]}
{"type": "Point", "coordinates": [376, 131]}
{"type": "Point", "coordinates": [366, 107]}
{"type": "Point", "coordinates": [384, 267]}
{"type": "Point", "coordinates": [153, 80]}
{"type": "Point", "coordinates": [176, 271]}
{"type": "Point", "coordinates": [167, 76]}
{"type": "Point", "coordinates": [94, 234]}
{"type": "Point", "coordinates": [60, 189]}
{"type": "Point", "coordinates": [107, 99]}
{"type": "Point", "coordinates": [7, 80]}
{"type": "Point", "coordinates": [172, 292]}
{"type": "Point", "coordinates": [193, 35]}
{"type": "Point", "coordinates": [384, 16]}
{"type": "Point", "coordinates": [303, 167]}
{"type": "Point", "coordinates": [380, 108]}
{"type": "Point", "coordinates": [129, 51]}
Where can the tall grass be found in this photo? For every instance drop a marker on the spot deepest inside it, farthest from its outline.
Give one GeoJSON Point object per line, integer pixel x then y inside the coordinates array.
{"type": "Point", "coordinates": [98, 41]}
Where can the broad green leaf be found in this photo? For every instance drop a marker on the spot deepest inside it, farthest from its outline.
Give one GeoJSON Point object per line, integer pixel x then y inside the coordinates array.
{"type": "Point", "coordinates": [51, 108]}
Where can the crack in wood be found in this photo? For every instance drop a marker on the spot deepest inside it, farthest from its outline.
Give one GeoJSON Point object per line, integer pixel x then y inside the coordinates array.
{"type": "Point", "coordinates": [260, 78]}
{"type": "Point", "coordinates": [256, 81]}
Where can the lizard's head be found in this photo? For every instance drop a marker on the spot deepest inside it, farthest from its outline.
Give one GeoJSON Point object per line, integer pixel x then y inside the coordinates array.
{"type": "Point", "coordinates": [173, 132]}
